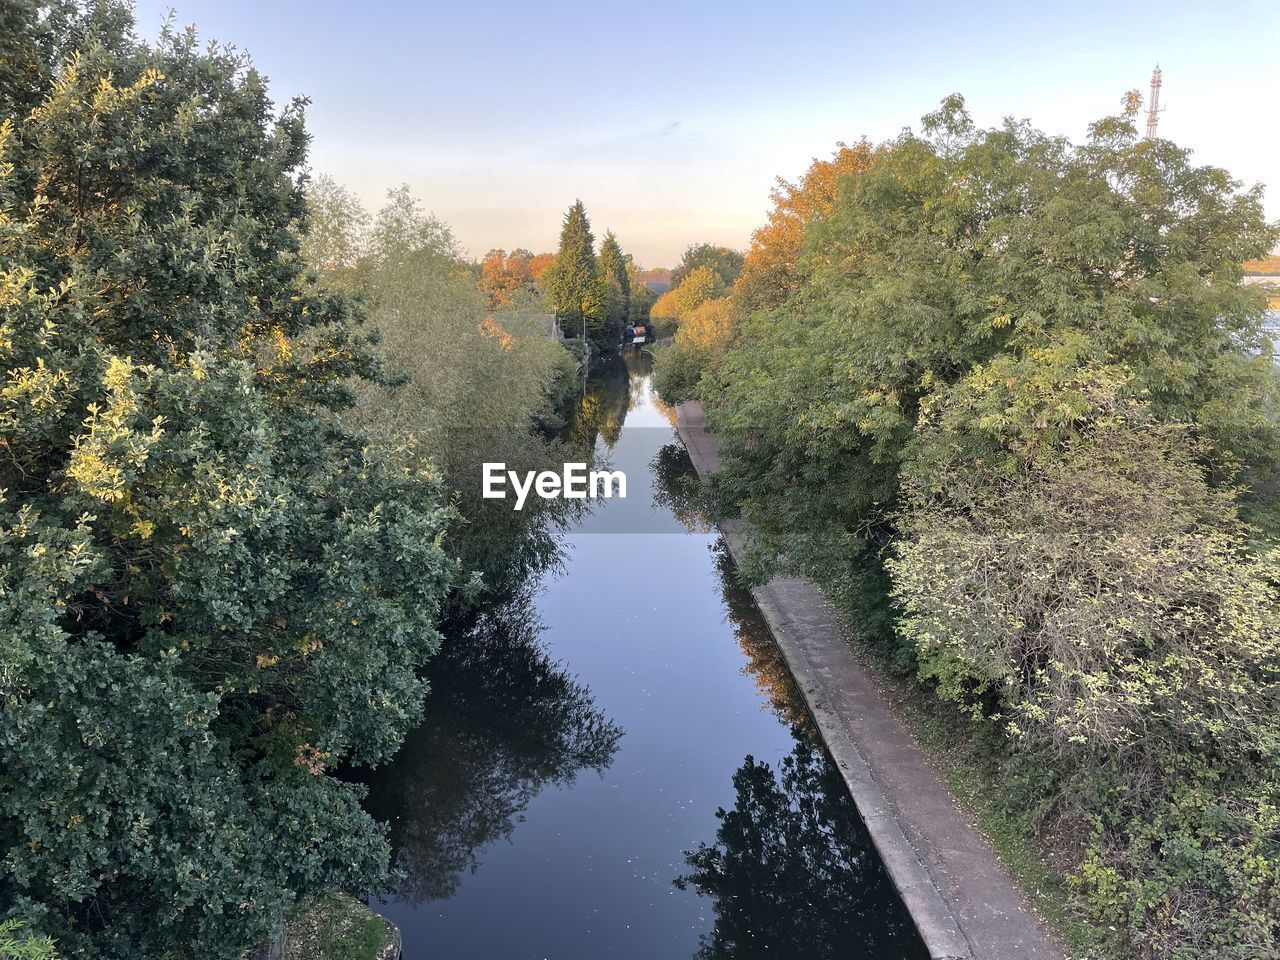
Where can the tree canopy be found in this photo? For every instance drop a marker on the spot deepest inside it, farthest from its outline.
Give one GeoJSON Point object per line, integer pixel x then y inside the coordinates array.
{"type": "Point", "coordinates": [574, 282]}
{"type": "Point", "coordinates": [769, 270]}
{"type": "Point", "coordinates": [507, 279]}
{"type": "Point", "coordinates": [698, 287]}
{"type": "Point", "coordinates": [967, 248]}
{"type": "Point", "coordinates": [724, 261]}
{"type": "Point", "coordinates": [1008, 400]}
{"type": "Point", "coordinates": [215, 591]}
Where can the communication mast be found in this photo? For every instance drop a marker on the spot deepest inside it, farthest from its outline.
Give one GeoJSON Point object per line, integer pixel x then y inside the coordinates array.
{"type": "Point", "coordinates": [1153, 112]}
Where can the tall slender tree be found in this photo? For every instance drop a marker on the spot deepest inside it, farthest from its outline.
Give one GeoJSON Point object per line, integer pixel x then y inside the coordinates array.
{"type": "Point", "coordinates": [574, 282]}
{"type": "Point", "coordinates": [613, 267]}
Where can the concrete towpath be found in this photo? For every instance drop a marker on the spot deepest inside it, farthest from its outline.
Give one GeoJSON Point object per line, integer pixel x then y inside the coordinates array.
{"type": "Point", "coordinates": [962, 899]}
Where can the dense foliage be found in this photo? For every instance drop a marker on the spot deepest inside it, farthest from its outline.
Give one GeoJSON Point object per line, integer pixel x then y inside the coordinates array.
{"type": "Point", "coordinates": [703, 308]}
{"type": "Point", "coordinates": [696, 315]}
{"type": "Point", "coordinates": [18, 943]}
{"type": "Point", "coordinates": [693, 291]}
{"type": "Point", "coordinates": [575, 284]}
{"type": "Point", "coordinates": [443, 336]}
{"type": "Point", "coordinates": [696, 347]}
{"type": "Point", "coordinates": [1018, 383]}
{"type": "Point", "coordinates": [771, 269]}
{"type": "Point", "coordinates": [508, 279]}
{"type": "Point", "coordinates": [724, 262]}
{"type": "Point", "coordinates": [613, 267]}
{"type": "Point", "coordinates": [1110, 610]}
{"type": "Point", "coordinates": [213, 589]}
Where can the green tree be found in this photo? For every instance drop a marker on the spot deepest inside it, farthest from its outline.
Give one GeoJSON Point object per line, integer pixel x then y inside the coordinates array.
{"type": "Point", "coordinates": [17, 944]}
{"type": "Point", "coordinates": [1028, 372]}
{"type": "Point", "coordinates": [337, 230]}
{"type": "Point", "coordinates": [701, 286]}
{"type": "Point", "coordinates": [214, 592]}
{"type": "Point", "coordinates": [444, 358]}
{"type": "Point", "coordinates": [614, 267]}
{"type": "Point", "coordinates": [640, 299]}
{"type": "Point", "coordinates": [725, 261]}
{"type": "Point", "coordinates": [574, 282]}
{"type": "Point", "coordinates": [964, 245]}
{"type": "Point", "coordinates": [697, 347]}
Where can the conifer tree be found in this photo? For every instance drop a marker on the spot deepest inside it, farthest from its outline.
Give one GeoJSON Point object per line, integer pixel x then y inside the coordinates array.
{"type": "Point", "coordinates": [613, 266]}
{"type": "Point", "coordinates": [577, 289]}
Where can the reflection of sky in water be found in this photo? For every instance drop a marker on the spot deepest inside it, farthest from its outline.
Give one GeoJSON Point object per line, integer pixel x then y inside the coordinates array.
{"type": "Point", "coordinates": [587, 869]}
{"type": "Point", "coordinates": [633, 454]}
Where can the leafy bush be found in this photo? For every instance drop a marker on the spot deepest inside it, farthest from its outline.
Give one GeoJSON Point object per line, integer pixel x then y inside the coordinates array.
{"type": "Point", "coordinates": [17, 944]}
{"type": "Point", "coordinates": [698, 344]}
{"type": "Point", "coordinates": [1105, 596]}
{"type": "Point", "coordinates": [1104, 604]}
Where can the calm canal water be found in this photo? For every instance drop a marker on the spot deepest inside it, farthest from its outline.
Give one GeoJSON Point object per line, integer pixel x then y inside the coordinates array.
{"type": "Point", "coordinates": [617, 764]}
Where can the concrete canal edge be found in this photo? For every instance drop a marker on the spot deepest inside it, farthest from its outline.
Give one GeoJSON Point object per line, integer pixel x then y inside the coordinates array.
{"type": "Point", "coordinates": [950, 879]}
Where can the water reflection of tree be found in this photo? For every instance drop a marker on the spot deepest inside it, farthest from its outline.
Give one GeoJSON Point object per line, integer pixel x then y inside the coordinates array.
{"type": "Point", "coordinates": [764, 660]}
{"type": "Point", "coordinates": [638, 365]}
{"type": "Point", "coordinates": [600, 406]}
{"type": "Point", "coordinates": [503, 721]}
{"type": "Point", "coordinates": [792, 872]}
{"type": "Point", "coordinates": [677, 489]}
{"type": "Point", "coordinates": [664, 408]}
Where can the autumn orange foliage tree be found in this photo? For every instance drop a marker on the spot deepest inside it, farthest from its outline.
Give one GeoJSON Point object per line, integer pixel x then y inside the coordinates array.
{"type": "Point", "coordinates": [770, 272]}
{"type": "Point", "coordinates": [505, 276]}
{"type": "Point", "coordinates": [697, 288]}
{"type": "Point", "coordinates": [769, 275]}
{"type": "Point", "coordinates": [697, 345]}
{"type": "Point", "coordinates": [539, 263]}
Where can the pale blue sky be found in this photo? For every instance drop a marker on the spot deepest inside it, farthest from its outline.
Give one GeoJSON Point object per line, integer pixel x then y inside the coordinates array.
{"type": "Point", "coordinates": [670, 121]}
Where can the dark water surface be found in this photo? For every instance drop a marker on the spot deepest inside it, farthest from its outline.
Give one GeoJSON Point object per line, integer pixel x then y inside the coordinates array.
{"type": "Point", "coordinates": [618, 765]}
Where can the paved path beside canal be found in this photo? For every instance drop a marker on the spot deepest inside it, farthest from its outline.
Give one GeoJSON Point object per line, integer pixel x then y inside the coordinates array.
{"type": "Point", "coordinates": [949, 877]}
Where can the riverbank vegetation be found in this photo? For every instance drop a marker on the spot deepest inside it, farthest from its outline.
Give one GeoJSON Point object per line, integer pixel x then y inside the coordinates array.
{"type": "Point", "coordinates": [694, 315]}
{"type": "Point", "coordinates": [1007, 398]}
{"type": "Point", "coordinates": [235, 423]}
{"type": "Point", "coordinates": [446, 344]}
